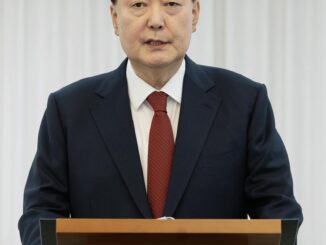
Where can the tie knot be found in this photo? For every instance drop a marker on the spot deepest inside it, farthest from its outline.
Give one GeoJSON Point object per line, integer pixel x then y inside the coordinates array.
{"type": "Point", "coordinates": [158, 101]}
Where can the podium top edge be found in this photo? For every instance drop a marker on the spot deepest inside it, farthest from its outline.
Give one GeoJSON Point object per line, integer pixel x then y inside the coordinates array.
{"type": "Point", "coordinates": [177, 226]}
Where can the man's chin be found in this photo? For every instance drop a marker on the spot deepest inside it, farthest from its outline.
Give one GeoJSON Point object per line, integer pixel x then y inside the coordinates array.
{"type": "Point", "coordinates": [160, 62]}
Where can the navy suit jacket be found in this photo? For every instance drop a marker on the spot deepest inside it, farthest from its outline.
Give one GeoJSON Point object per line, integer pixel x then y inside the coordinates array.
{"type": "Point", "coordinates": [229, 160]}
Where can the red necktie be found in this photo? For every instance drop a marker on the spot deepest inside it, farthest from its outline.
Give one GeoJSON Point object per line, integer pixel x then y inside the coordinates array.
{"type": "Point", "coordinates": [160, 153]}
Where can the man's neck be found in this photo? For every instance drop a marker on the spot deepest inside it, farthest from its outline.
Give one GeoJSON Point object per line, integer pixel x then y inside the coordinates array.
{"type": "Point", "coordinates": [157, 77]}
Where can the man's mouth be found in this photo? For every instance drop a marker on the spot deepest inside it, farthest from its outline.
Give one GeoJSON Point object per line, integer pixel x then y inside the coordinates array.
{"type": "Point", "coordinates": [155, 43]}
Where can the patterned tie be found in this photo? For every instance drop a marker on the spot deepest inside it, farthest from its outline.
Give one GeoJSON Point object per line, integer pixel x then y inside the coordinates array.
{"type": "Point", "coordinates": [160, 153]}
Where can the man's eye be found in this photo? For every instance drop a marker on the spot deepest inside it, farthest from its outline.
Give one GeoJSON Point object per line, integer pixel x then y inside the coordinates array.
{"type": "Point", "coordinates": [138, 5]}
{"type": "Point", "coordinates": [172, 4]}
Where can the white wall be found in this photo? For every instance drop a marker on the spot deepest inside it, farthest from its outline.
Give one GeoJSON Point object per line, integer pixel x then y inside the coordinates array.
{"type": "Point", "coordinates": [46, 44]}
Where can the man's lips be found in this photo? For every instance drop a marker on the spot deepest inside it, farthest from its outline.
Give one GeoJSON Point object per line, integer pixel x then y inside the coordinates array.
{"type": "Point", "coordinates": [155, 43]}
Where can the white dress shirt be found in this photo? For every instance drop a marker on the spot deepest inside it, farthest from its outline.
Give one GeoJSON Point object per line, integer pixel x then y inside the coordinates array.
{"type": "Point", "coordinates": [142, 112]}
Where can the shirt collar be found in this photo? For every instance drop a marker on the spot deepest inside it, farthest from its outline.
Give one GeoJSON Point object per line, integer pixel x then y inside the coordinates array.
{"type": "Point", "coordinates": [139, 90]}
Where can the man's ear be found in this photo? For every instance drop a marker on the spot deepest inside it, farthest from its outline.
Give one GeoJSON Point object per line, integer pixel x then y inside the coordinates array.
{"type": "Point", "coordinates": [195, 15]}
{"type": "Point", "coordinates": [114, 16]}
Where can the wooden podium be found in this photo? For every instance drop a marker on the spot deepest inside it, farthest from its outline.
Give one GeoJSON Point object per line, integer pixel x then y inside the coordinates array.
{"type": "Point", "coordinates": [159, 232]}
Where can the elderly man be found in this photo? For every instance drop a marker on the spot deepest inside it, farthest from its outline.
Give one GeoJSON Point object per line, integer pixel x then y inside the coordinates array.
{"type": "Point", "coordinates": [158, 136]}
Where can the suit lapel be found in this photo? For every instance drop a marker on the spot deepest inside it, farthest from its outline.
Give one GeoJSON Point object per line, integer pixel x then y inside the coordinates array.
{"type": "Point", "coordinates": [113, 118]}
{"type": "Point", "coordinates": [198, 110]}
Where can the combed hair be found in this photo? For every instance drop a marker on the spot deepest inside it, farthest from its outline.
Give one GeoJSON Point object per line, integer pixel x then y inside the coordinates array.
{"type": "Point", "coordinates": [115, 1]}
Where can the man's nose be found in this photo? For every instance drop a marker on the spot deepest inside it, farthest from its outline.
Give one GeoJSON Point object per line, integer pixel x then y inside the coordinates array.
{"type": "Point", "coordinates": [156, 19]}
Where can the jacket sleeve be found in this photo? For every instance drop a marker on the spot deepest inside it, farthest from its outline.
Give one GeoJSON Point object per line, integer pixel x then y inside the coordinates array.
{"type": "Point", "coordinates": [269, 186]}
{"type": "Point", "coordinates": [46, 190]}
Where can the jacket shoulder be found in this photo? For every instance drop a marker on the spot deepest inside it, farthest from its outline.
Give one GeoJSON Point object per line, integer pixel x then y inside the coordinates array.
{"type": "Point", "coordinates": [234, 88]}
{"type": "Point", "coordinates": [228, 78]}
{"type": "Point", "coordinates": [83, 86]}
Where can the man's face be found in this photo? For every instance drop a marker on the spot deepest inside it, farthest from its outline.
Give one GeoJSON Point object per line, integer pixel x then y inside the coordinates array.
{"type": "Point", "coordinates": [155, 33]}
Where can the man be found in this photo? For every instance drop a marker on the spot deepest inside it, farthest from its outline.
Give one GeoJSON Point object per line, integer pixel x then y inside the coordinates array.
{"type": "Point", "coordinates": [158, 136]}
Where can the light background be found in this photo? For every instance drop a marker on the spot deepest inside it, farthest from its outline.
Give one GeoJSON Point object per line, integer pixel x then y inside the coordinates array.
{"type": "Point", "coordinates": [46, 44]}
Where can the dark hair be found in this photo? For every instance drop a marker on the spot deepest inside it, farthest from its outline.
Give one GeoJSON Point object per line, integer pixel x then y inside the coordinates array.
{"type": "Point", "coordinates": [115, 1]}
